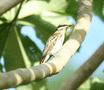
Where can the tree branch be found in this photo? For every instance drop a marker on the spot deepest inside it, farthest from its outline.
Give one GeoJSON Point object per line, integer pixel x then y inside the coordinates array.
{"type": "Point", "coordinates": [6, 5]}
{"type": "Point", "coordinates": [20, 76]}
{"type": "Point", "coordinates": [85, 70]}
{"type": "Point", "coordinates": [77, 37]}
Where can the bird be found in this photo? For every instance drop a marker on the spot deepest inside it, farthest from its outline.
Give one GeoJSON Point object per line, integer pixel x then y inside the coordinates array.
{"type": "Point", "coordinates": [54, 43]}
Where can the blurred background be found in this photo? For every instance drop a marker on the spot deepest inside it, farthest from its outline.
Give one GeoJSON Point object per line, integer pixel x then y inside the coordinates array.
{"type": "Point", "coordinates": [22, 43]}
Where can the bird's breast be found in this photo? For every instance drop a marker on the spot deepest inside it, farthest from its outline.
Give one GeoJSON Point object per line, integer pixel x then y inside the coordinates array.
{"type": "Point", "coordinates": [58, 45]}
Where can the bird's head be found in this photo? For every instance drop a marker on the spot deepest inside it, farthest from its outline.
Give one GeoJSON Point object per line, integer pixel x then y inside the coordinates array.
{"type": "Point", "coordinates": [63, 27]}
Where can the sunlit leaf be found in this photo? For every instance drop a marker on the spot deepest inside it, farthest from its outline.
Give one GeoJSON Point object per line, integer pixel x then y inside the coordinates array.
{"type": "Point", "coordinates": [86, 85]}
{"type": "Point", "coordinates": [54, 18]}
{"type": "Point", "coordinates": [55, 5]}
{"type": "Point", "coordinates": [25, 87]}
{"type": "Point", "coordinates": [38, 7]}
{"type": "Point", "coordinates": [33, 7]}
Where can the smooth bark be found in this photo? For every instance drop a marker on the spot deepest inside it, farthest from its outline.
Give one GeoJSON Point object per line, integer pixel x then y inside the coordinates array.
{"type": "Point", "coordinates": [6, 5]}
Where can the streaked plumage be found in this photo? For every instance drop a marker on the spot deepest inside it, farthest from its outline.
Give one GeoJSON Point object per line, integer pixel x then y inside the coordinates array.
{"type": "Point", "coordinates": [54, 43]}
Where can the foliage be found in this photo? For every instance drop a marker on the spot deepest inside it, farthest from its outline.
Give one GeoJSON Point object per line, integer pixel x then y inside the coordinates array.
{"type": "Point", "coordinates": [92, 84]}
{"type": "Point", "coordinates": [43, 16]}
{"type": "Point", "coordinates": [21, 51]}
{"type": "Point", "coordinates": [98, 8]}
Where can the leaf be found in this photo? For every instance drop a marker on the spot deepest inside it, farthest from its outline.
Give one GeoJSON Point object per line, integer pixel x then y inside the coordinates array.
{"type": "Point", "coordinates": [43, 16]}
{"type": "Point", "coordinates": [31, 49]}
{"type": "Point", "coordinates": [32, 7]}
{"type": "Point", "coordinates": [72, 8]}
{"type": "Point", "coordinates": [43, 28]}
{"type": "Point", "coordinates": [1, 67]}
{"type": "Point", "coordinates": [4, 30]}
{"type": "Point", "coordinates": [92, 84]}
{"type": "Point", "coordinates": [40, 7]}
{"type": "Point", "coordinates": [20, 51]}
{"type": "Point", "coordinates": [3, 19]}
{"type": "Point", "coordinates": [98, 8]}
{"type": "Point", "coordinates": [36, 85]}
{"type": "Point", "coordinates": [12, 53]}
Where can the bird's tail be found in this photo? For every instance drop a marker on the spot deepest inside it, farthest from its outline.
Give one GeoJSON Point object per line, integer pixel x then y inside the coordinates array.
{"type": "Point", "coordinates": [44, 59]}
{"type": "Point", "coordinates": [41, 61]}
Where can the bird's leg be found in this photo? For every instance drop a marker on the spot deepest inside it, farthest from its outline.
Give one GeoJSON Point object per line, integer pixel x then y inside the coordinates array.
{"type": "Point", "coordinates": [50, 57]}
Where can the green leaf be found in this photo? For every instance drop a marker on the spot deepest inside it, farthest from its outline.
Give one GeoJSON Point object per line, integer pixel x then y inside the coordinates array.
{"type": "Point", "coordinates": [1, 67]}
{"type": "Point", "coordinates": [41, 7]}
{"type": "Point", "coordinates": [36, 85]}
{"type": "Point", "coordinates": [33, 7]}
{"type": "Point", "coordinates": [98, 8]}
{"type": "Point", "coordinates": [20, 51]}
{"type": "Point", "coordinates": [43, 28]}
{"type": "Point", "coordinates": [31, 49]}
{"type": "Point", "coordinates": [55, 5]}
{"type": "Point", "coordinates": [45, 25]}
{"type": "Point", "coordinates": [4, 30]}
{"type": "Point", "coordinates": [72, 8]}
{"type": "Point", "coordinates": [43, 16]}
{"type": "Point", "coordinates": [92, 84]}
{"type": "Point", "coordinates": [12, 53]}
{"type": "Point", "coordinates": [3, 20]}
{"type": "Point", "coordinates": [24, 23]}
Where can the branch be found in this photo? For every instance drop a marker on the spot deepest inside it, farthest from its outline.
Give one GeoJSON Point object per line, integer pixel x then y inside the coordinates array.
{"type": "Point", "coordinates": [6, 5]}
{"type": "Point", "coordinates": [77, 37]}
{"type": "Point", "coordinates": [55, 65]}
{"type": "Point", "coordinates": [85, 70]}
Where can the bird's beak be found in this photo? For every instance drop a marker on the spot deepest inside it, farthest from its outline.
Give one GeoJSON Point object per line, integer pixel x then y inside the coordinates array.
{"type": "Point", "coordinates": [71, 25]}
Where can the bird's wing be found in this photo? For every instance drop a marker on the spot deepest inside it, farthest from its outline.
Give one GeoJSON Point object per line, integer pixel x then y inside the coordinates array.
{"type": "Point", "coordinates": [51, 43]}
